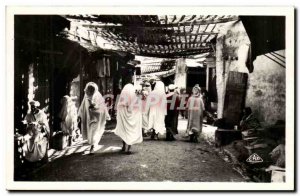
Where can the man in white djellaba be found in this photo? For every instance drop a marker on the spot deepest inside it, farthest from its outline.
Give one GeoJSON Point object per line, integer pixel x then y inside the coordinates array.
{"type": "Point", "coordinates": [129, 118]}
{"type": "Point", "coordinates": [158, 110]}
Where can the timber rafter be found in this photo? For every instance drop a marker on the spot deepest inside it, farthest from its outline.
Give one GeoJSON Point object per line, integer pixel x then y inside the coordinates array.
{"type": "Point", "coordinates": [166, 36]}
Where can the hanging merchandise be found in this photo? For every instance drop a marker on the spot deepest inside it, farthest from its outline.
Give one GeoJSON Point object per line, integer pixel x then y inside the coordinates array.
{"type": "Point", "coordinates": [104, 66]}
{"type": "Point", "coordinates": [100, 68]}
{"type": "Point", "coordinates": [107, 67]}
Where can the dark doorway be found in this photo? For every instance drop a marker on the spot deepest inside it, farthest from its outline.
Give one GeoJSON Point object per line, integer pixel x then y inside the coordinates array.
{"type": "Point", "coordinates": [196, 75]}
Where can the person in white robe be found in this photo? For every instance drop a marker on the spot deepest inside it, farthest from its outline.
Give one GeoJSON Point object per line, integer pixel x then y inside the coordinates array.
{"type": "Point", "coordinates": [158, 110]}
{"type": "Point", "coordinates": [68, 116]}
{"type": "Point", "coordinates": [129, 118]}
{"type": "Point", "coordinates": [35, 141]}
{"type": "Point", "coordinates": [145, 107]}
{"type": "Point", "coordinates": [93, 114]}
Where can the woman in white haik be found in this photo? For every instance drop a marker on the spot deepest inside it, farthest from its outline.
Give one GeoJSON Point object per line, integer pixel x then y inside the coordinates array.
{"type": "Point", "coordinates": [158, 110]}
{"type": "Point", "coordinates": [129, 118]}
{"type": "Point", "coordinates": [93, 113]}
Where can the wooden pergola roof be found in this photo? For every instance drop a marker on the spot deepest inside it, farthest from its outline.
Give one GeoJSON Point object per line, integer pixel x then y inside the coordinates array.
{"type": "Point", "coordinates": [166, 36]}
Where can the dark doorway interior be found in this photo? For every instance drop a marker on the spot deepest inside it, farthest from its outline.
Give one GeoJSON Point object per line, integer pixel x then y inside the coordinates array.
{"type": "Point", "coordinates": [196, 75]}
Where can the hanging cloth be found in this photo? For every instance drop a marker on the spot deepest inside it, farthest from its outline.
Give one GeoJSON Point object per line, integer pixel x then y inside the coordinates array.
{"type": "Point", "coordinates": [107, 67]}
{"type": "Point", "coordinates": [100, 68]}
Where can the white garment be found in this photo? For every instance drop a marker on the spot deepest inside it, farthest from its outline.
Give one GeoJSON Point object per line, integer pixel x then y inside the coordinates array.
{"type": "Point", "coordinates": [35, 144]}
{"type": "Point", "coordinates": [93, 120]}
{"type": "Point", "coordinates": [158, 111]}
{"type": "Point", "coordinates": [129, 117]}
{"type": "Point", "coordinates": [145, 110]}
{"type": "Point", "coordinates": [68, 115]}
{"type": "Point", "coordinates": [40, 118]}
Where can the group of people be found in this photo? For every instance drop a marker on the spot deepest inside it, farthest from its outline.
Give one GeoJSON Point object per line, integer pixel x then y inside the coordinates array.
{"type": "Point", "coordinates": [35, 141]}
{"type": "Point", "coordinates": [166, 121]}
{"type": "Point", "coordinates": [141, 110]}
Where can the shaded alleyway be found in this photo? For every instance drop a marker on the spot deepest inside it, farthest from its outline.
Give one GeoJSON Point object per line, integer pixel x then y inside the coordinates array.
{"type": "Point", "coordinates": [150, 161]}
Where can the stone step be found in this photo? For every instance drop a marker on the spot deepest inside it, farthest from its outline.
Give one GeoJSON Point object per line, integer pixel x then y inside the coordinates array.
{"type": "Point", "coordinates": [248, 134]}
{"type": "Point", "coordinates": [250, 138]}
{"type": "Point", "coordinates": [256, 146]}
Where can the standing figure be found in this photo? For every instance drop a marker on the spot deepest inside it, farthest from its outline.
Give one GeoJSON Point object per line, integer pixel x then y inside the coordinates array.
{"type": "Point", "coordinates": [152, 83]}
{"type": "Point", "coordinates": [195, 108]}
{"type": "Point", "coordinates": [183, 100]}
{"type": "Point", "coordinates": [129, 118]}
{"type": "Point", "coordinates": [68, 116]}
{"type": "Point", "coordinates": [36, 139]}
{"type": "Point", "coordinates": [158, 110]}
{"type": "Point", "coordinates": [208, 115]}
{"type": "Point", "coordinates": [93, 114]}
{"type": "Point", "coordinates": [145, 107]}
{"type": "Point", "coordinates": [171, 119]}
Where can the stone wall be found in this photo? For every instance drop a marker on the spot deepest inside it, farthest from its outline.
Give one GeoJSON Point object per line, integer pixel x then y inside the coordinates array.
{"type": "Point", "coordinates": [266, 89]}
{"type": "Point", "coordinates": [266, 84]}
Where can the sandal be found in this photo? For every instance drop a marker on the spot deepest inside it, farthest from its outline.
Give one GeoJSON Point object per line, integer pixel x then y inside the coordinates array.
{"type": "Point", "coordinates": [92, 150]}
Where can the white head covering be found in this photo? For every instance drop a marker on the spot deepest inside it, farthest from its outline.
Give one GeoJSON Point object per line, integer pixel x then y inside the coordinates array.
{"type": "Point", "coordinates": [96, 98]}
{"type": "Point", "coordinates": [34, 103]}
{"type": "Point", "coordinates": [160, 87]}
{"type": "Point", "coordinates": [127, 95]}
{"type": "Point", "coordinates": [172, 87]}
{"type": "Point", "coordinates": [138, 87]}
{"type": "Point", "coordinates": [159, 91]}
{"type": "Point", "coordinates": [197, 87]}
{"type": "Point", "coordinates": [93, 84]}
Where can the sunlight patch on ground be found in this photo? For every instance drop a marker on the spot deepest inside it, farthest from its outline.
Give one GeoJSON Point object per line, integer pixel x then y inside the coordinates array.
{"type": "Point", "coordinates": [112, 149]}
{"type": "Point", "coordinates": [182, 125]}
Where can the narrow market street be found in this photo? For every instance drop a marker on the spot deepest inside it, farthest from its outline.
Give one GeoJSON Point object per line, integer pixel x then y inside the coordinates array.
{"type": "Point", "coordinates": [151, 160]}
{"type": "Point", "coordinates": [159, 97]}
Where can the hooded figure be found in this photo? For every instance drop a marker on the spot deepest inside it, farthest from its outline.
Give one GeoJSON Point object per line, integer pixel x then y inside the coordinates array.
{"type": "Point", "coordinates": [158, 110]}
{"type": "Point", "coordinates": [68, 115]}
{"type": "Point", "coordinates": [93, 113]}
{"type": "Point", "coordinates": [129, 118]}
{"type": "Point", "coordinates": [195, 108]}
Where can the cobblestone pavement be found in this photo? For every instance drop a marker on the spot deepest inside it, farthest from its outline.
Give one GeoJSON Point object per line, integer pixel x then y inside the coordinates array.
{"type": "Point", "coordinates": [150, 161]}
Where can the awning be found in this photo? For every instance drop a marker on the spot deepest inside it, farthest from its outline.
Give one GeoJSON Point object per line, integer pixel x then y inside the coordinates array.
{"type": "Point", "coordinates": [161, 74]}
{"type": "Point", "coordinates": [165, 36]}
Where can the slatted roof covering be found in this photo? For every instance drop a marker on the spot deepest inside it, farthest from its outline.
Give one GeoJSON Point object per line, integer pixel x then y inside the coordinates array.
{"type": "Point", "coordinates": [166, 36]}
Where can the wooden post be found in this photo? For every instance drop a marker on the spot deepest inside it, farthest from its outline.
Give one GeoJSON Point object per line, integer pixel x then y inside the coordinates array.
{"type": "Point", "coordinates": [207, 77]}
{"type": "Point", "coordinates": [80, 78]}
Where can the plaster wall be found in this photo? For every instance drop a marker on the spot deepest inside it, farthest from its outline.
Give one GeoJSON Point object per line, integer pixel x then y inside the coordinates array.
{"type": "Point", "coordinates": [266, 88]}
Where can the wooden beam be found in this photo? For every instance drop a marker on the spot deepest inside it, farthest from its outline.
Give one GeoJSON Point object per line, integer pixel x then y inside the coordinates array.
{"type": "Point", "coordinates": [192, 17]}
{"type": "Point", "coordinates": [174, 20]}
{"type": "Point", "coordinates": [175, 54]}
{"type": "Point", "coordinates": [209, 34]}
{"type": "Point", "coordinates": [111, 36]}
{"type": "Point", "coordinates": [181, 19]}
{"type": "Point", "coordinates": [160, 48]}
{"type": "Point", "coordinates": [155, 25]}
{"type": "Point", "coordinates": [184, 32]}
{"type": "Point", "coordinates": [166, 23]}
{"type": "Point", "coordinates": [170, 33]}
{"type": "Point", "coordinates": [195, 40]}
